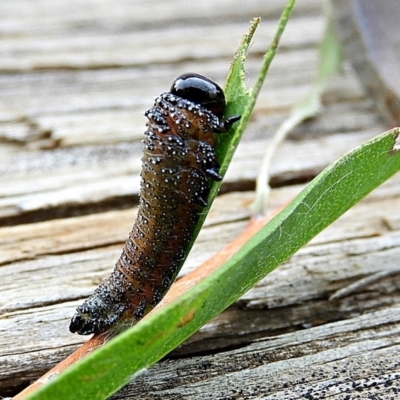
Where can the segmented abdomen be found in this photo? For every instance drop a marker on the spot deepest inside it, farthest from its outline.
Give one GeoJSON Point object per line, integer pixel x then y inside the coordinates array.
{"type": "Point", "coordinates": [178, 159]}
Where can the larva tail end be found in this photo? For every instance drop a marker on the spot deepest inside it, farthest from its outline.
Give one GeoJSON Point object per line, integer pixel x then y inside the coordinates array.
{"type": "Point", "coordinates": [94, 316]}
{"type": "Point", "coordinates": [82, 324]}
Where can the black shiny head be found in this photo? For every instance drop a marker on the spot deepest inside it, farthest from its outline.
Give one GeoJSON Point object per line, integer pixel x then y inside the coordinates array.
{"type": "Point", "coordinates": [200, 90]}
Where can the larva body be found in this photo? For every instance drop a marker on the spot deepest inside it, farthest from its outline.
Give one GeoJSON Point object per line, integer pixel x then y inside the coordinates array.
{"type": "Point", "coordinates": [178, 159]}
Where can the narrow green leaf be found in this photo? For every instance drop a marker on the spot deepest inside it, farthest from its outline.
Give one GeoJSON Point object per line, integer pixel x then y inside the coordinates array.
{"type": "Point", "coordinates": [241, 101]}
{"type": "Point", "coordinates": [331, 194]}
{"type": "Point", "coordinates": [237, 99]}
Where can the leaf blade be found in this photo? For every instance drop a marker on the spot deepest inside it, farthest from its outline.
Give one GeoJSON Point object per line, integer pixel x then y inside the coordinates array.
{"type": "Point", "coordinates": [331, 194]}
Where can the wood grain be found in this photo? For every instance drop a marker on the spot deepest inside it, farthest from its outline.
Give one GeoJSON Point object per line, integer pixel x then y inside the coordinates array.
{"type": "Point", "coordinates": [75, 79]}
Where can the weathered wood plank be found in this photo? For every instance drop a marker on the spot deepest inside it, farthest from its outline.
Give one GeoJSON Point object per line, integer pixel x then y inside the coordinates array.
{"type": "Point", "coordinates": [122, 33]}
{"type": "Point", "coordinates": [75, 80]}
{"type": "Point", "coordinates": [296, 365]}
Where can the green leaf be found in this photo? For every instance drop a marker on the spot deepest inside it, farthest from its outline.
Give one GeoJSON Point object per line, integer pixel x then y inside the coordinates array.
{"type": "Point", "coordinates": [241, 101]}
{"type": "Point", "coordinates": [237, 99]}
{"type": "Point", "coordinates": [328, 196]}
